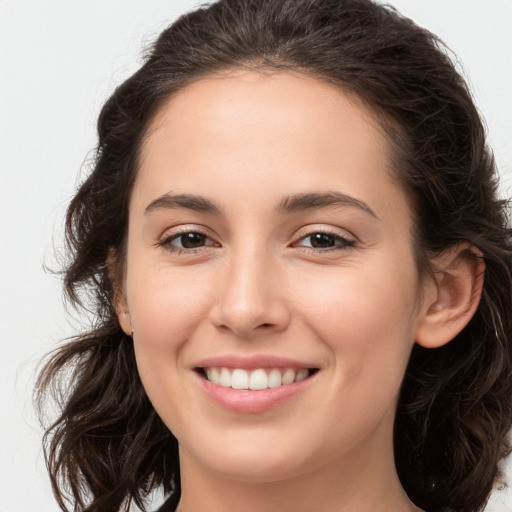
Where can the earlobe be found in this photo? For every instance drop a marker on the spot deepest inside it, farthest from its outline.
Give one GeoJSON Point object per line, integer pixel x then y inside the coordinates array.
{"type": "Point", "coordinates": [454, 297]}
{"type": "Point", "coordinates": [118, 293]}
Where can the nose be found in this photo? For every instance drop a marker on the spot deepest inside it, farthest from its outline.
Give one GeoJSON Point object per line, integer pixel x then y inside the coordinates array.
{"type": "Point", "coordinates": [251, 297]}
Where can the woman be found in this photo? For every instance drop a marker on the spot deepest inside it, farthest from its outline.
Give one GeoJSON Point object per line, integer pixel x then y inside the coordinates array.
{"type": "Point", "coordinates": [301, 273]}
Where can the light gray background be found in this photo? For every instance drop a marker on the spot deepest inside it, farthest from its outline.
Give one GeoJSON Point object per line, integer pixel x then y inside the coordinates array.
{"type": "Point", "coordinates": [59, 59]}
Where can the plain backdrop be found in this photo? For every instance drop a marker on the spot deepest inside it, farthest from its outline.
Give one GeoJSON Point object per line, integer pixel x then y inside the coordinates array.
{"type": "Point", "coordinates": [59, 60]}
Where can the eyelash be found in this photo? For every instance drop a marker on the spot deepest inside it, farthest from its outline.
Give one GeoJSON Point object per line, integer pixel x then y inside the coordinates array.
{"type": "Point", "coordinates": [344, 243]}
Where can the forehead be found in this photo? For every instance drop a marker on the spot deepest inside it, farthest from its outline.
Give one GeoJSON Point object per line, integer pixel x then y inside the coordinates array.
{"type": "Point", "coordinates": [289, 102]}
{"type": "Point", "coordinates": [284, 131]}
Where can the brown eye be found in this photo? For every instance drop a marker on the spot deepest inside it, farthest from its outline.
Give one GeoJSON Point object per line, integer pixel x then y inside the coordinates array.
{"type": "Point", "coordinates": [325, 241]}
{"type": "Point", "coordinates": [187, 241]}
{"type": "Point", "coordinates": [322, 240]}
{"type": "Point", "coordinates": [190, 240]}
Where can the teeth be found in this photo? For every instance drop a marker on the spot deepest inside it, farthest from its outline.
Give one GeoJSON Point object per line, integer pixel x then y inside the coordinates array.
{"type": "Point", "coordinates": [239, 379]}
{"type": "Point", "coordinates": [224, 378]}
{"type": "Point", "coordinates": [301, 375]}
{"type": "Point", "coordinates": [274, 378]}
{"type": "Point", "coordinates": [288, 377]}
{"type": "Point", "coordinates": [257, 379]}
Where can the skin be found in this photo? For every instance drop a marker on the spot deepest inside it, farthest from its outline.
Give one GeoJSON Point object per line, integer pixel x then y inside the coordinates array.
{"type": "Point", "coordinates": [255, 285]}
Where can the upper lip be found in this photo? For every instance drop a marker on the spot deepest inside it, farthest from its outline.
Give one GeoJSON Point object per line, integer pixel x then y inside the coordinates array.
{"type": "Point", "coordinates": [252, 362]}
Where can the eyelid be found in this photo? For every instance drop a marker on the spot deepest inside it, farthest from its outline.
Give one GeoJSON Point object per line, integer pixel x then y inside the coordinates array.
{"type": "Point", "coordinates": [311, 229]}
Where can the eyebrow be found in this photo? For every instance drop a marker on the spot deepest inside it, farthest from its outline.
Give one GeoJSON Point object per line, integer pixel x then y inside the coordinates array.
{"type": "Point", "coordinates": [188, 201]}
{"type": "Point", "coordinates": [288, 204]}
{"type": "Point", "coordinates": [299, 202]}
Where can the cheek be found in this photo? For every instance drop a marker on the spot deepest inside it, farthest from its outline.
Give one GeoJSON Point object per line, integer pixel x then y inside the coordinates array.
{"type": "Point", "coordinates": [359, 300]}
{"type": "Point", "coordinates": [167, 307]}
{"type": "Point", "coordinates": [366, 318]}
{"type": "Point", "coordinates": [167, 302]}
{"type": "Point", "coordinates": [366, 323]}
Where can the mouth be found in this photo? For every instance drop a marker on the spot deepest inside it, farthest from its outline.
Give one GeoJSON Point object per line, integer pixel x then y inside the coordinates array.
{"type": "Point", "coordinates": [256, 379]}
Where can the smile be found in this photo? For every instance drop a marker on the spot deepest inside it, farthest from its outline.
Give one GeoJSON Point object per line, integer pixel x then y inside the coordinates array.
{"type": "Point", "coordinates": [256, 383]}
{"type": "Point", "coordinates": [256, 379]}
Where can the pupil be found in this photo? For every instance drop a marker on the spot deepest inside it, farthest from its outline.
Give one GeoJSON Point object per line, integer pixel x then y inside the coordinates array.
{"type": "Point", "coordinates": [322, 240]}
{"type": "Point", "coordinates": [192, 240]}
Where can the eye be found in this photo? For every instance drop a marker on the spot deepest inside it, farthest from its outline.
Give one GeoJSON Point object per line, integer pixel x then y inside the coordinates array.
{"type": "Point", "coordinates": [324, 241]}
{"type": "Point", "coordinates": [187, 241]}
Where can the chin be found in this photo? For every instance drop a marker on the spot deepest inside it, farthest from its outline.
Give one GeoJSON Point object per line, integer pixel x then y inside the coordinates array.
{"type": "Point", "coordinates": [254, 461]}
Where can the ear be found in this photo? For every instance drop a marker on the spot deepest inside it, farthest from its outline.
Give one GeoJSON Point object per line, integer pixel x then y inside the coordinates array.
{"type": "Point", "coordinates": [116, 275]}
{"type": "Point", "coordinates": [452, 298]}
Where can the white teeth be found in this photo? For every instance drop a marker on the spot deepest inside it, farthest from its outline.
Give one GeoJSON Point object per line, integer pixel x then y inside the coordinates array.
{"type": "Point", "coordinates": [214, 374]}
{"type": "Point", "coordinates": [274, 378]}
{"type": "Point", "coordinates": [288, 377]}
{"type": "Point", "coordinates": [257, 379]}
{"type": "Point", "coordinates": [239, 379]}
{"type": "Point", "coordinates": [224, 378]}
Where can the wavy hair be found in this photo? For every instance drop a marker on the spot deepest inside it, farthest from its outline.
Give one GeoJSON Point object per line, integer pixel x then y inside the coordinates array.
{"type": "Point", "coordinates": [108, 447]}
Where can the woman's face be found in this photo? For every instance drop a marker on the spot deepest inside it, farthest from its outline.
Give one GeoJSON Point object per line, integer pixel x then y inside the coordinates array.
{"type": "Point", "coordinates": [269, 243]}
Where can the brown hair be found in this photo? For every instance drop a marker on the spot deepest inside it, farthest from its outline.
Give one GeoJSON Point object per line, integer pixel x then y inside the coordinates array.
{"type": "Point", "coordinates": [108, 447]}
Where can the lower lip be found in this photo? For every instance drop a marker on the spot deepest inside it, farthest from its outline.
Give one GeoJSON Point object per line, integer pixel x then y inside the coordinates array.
{"type": "Point", "coordinates": [247, 401]}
